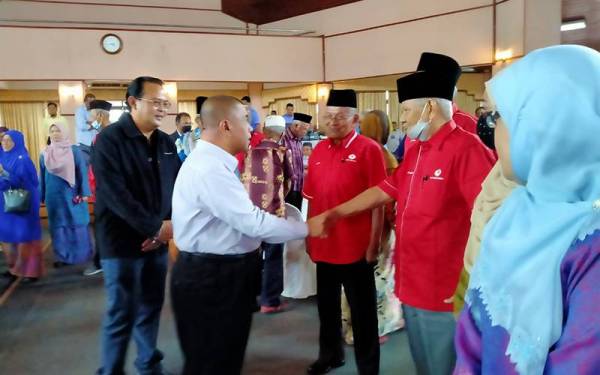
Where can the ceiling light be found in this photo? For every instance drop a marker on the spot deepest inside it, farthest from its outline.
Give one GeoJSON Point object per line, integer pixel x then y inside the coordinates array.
{"type": "Point", "coordinates": [573, 25]}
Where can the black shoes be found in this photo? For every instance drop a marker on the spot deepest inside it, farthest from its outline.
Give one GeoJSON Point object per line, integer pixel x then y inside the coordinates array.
{"type": "Point", "coordinates": [323, 367]}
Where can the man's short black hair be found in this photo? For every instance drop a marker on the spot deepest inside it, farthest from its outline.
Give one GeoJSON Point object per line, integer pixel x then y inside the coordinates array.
{"type": "Point", "coordinates": [52, 103]}
{"type": "Point", "coordinates": [89, 95]}
{"type": "Point", "coordinates": [136, 87]}
{"type": "Point", "coordinates": [246, 98]}
{"type": "Point", "coordinates": [289, 105]}
{"type": "Point", "coordinates": [307, 144]}
{"type": "Point", "coordinates": [180, 115]}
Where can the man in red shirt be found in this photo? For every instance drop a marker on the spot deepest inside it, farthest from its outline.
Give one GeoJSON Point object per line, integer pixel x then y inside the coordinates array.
{"type": "Point", "coordinates": [339, 168]}
{"type": "Point", "coordinates": [435, 188]}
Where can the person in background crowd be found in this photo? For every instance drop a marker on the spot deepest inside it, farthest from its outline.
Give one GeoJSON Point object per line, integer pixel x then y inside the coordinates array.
{"type": "Point", "coordinates": [183, 124]}
{"type": "Point", "coordinates": [307, 149]}
{"type": "Point", "coordinates": [253, 117]}
{"type": "Point", "coordinates": [292, 139]}
{"type": "Point", "coordinates": [192, 138]}
{"type": "Point", "coordinates": [53, 116]}
{"type": "Point", "coordinates": [84, 129]}
{"type": "Point", "coordinates": [256, 136]}
{"type": "Point", "coordinates": [65, 190]}
{"type": "Point", "coordinates": [480, 111]}
{"type": "Point", "coordinates": [135, 165]}
{"type": "Point", "coordinates": [182, 136]}
{"type": "Point", "coordinates": [20, 232]}
{"type": "Point", "coordinates": [289, 114]}
{"type": "Point", "coordinates": [395, 143]}
{"type": "Point", "coordinates": [100, 116]}
{"type": "Point", "coordinates": [268, 178]}
{"type": "Point", "coordinates": [375, 125]}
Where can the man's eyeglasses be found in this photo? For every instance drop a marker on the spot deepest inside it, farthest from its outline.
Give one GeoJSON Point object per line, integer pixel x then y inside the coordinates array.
{"type": "Point", "coordinates": [329, 117]}
{"type": "Point", "coordinates": [157, 103]}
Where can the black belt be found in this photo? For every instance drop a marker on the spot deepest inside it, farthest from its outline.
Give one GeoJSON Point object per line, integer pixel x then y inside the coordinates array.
{"type": "Point", "coordinates": [195, 255]}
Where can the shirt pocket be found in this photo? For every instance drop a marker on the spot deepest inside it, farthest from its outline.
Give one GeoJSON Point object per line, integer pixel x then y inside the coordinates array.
{"type": "Point", "coordinates": [432, 195]}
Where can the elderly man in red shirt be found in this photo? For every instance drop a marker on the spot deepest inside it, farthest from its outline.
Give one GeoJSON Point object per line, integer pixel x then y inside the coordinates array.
{"type": "Point", "coordinates": [435, 189]}
{"type": "Point", "coordinates": [339, 168]}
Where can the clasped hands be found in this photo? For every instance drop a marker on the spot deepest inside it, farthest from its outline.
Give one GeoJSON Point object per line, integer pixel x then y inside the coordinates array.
{"type": "Point", "coordinates": [165, 233]}
{"type": "Point", "coordinates": [319, 226]}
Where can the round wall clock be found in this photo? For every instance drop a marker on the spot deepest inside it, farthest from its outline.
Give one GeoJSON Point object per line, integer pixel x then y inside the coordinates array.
{"type": "Point", "coordinates": [111, 43]}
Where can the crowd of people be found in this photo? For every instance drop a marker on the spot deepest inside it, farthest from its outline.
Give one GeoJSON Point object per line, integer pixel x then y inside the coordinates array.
{"type": "Point", "coordinates": [495, 217]}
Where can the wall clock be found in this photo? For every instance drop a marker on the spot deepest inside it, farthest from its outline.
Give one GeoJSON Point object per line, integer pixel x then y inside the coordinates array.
{"type": "Point", "coordinates": [111, 43]}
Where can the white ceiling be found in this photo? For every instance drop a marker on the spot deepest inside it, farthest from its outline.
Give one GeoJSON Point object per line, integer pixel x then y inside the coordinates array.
{"type": "Point", "coordinates": [205, 15]}
{"type": "Point", "coordinates": [53, 85]}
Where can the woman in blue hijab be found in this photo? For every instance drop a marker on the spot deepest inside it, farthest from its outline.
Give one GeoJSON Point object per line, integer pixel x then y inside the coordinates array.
{"type": "Point", "coordinates": [20, 233]}
{"type": "Point", "coordinates": [533, 303]}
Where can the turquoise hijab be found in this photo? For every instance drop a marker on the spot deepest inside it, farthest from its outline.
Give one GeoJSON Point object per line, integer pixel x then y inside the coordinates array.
{"type": "Point", "coordinates": [550, 103]}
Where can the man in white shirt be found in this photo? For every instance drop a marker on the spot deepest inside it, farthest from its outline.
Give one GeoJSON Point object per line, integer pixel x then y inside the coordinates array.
{"type": "Point", "coordinates": [53, 117]}
{"type": "Point", "coordinates": [216, 278]}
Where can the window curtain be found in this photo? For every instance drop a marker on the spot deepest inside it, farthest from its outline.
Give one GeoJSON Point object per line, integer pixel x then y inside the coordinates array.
{"type": "Point", "coordinates": [302, 106]}
{"type": "Point", "coordinates": [369, 101]}
{"type": "Point", "coordinates": [394, 109]}
{"type": "Point", "coordinates": [189, 107]}
{"type": "Point", "coordinates": [28, 119]}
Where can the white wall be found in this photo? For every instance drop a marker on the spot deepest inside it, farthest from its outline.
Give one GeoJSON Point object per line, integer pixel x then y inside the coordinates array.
{"type": "Point", "coordinates": [511, 27]}
{"type": "Point", "coordinates": [396, 49]}
{"type": "Point", "coordinates": [369, 13]}
{"type": "Point", "coordinates": [123, 14]}
{"type": "Point", "coordinates": [542, 19]}
{"type": "Point", "coordinates": [76, 55]}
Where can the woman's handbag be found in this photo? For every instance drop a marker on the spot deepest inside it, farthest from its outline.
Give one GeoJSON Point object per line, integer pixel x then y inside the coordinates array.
{"type": "Point", "coordinates": [17, 200]}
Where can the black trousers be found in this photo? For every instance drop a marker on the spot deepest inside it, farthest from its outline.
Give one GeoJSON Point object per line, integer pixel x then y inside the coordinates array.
{"type": "Point", "coordinates": [359, 284]}
{"type": "Point", "coordinates": [213, 299]}
{"type": "Point", "coordinates": [295, 199]}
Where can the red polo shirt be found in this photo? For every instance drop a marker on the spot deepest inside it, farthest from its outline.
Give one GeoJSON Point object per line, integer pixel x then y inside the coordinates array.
{"type": "Point", "coordinates": [435, 188]}
{"type": "Point", "coordinates": [465, 120]}
{"type": "Point", "coordinates": [337, 173]}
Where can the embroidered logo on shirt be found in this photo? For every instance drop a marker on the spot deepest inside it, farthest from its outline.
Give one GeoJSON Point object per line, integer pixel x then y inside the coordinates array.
{"type": "Point", "coordinates": [437, 175]}
{"type": "Point", "coordinates": [351, 156]}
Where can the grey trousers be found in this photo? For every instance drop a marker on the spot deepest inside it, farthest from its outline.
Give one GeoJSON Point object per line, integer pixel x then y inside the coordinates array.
{"type": "Point", "coordinates": [431, 340]}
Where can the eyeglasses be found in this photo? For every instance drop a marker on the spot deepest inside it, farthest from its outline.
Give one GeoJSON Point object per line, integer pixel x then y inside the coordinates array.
{"type": "Point", "coordinates": [329, 117]}
{"type": "Point", "coordinates": [157, 103]}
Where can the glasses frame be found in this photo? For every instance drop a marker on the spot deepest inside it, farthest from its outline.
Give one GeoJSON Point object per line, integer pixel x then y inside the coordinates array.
{"type": "Point", "coordinates": [164, 104]}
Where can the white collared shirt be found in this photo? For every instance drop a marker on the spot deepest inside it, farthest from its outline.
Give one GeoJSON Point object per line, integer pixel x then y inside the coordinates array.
{"type": "Point", "coordinates": [212, 212]}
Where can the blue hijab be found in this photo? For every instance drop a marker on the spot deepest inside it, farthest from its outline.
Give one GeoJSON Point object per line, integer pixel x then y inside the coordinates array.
{"type": "Point", "coordinates": [550, 103]}
{"type": "Point", "coordinates": [8, 159]}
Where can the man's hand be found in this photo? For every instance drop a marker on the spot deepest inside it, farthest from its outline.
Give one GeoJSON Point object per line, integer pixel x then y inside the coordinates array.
{"type": "Point", "coordinates": [372, 253]}
{"type": "Point", "coordinates": [319, 226]}
{"type": "Point", "coordinates": [165, 233]}
{"type": "Point", "coordinates": [1, 169]}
